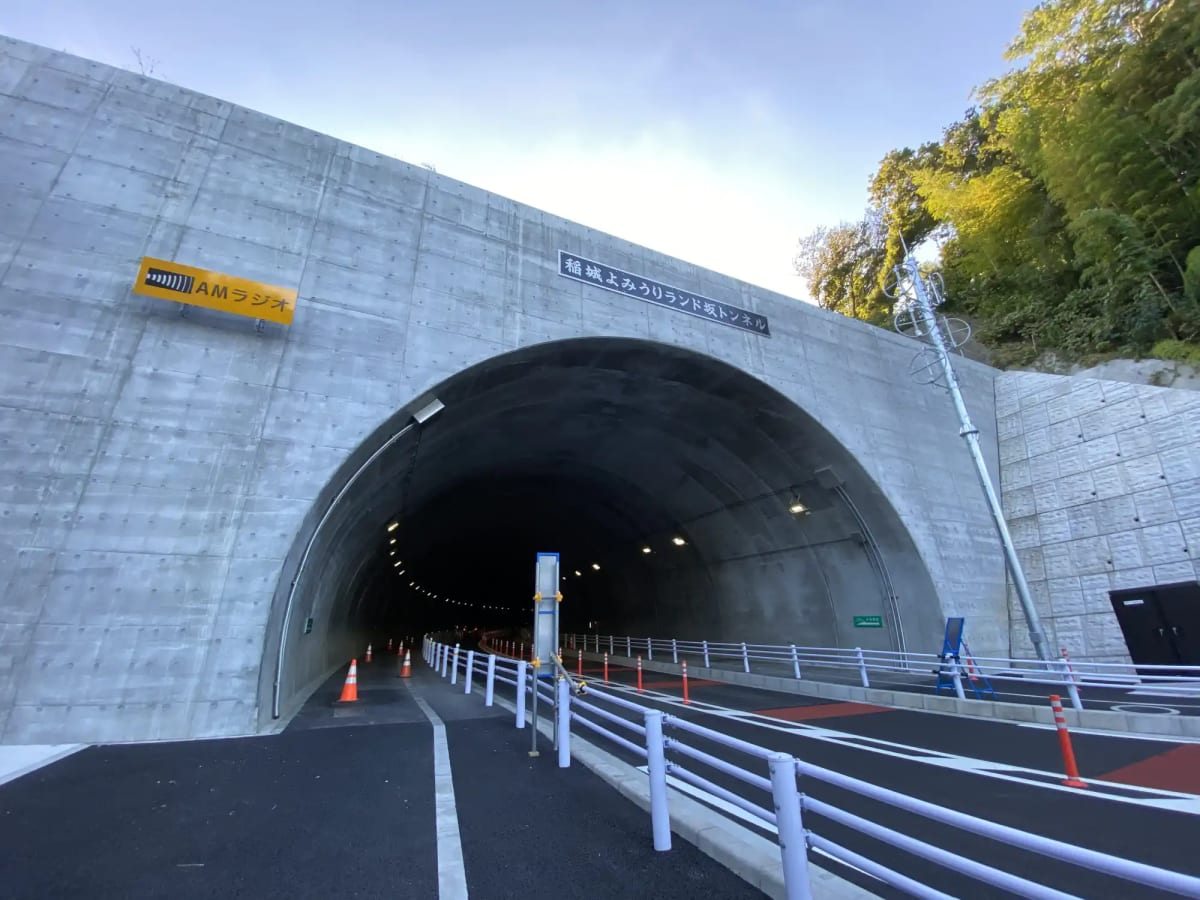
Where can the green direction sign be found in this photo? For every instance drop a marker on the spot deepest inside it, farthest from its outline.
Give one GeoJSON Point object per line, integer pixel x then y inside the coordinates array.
{"type": "Point", "coordinates": [868, 621]}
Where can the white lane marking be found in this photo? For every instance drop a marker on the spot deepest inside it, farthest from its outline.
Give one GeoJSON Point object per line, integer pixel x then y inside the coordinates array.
{"type": "Point", "coordinates": [1152, 797]}
{"type": "Point", "coordinates": [1124, 736]}
{"type": "Point", "coordinates": [452, 873]}
{"type": "Point", "coordinates": [738, 813]}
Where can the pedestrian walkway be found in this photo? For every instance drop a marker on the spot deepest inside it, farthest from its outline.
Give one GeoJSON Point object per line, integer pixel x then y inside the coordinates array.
{"type": "Point", "coordinates": [342, 803]}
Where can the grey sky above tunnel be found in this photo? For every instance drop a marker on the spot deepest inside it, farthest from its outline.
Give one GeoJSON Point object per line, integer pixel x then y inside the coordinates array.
{"type": "Point", "coordinates": [715, 132]}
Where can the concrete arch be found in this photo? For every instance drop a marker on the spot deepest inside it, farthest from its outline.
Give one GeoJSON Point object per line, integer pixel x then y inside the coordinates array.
{"type": "Point", "coordinates": [598, 447]}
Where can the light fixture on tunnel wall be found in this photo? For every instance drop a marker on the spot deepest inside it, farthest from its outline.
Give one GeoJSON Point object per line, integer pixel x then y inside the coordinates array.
{"type": "Point", "coordinates": [392, 541]}
{"type": "Point", "coordinates": [420, 417]}
{"type": "Point", "coordinates": [678, 541]}
{"type": "Point", "coordinates": [578, 574]}
{"type": "Point", "coordinates": [647, 549]}
{"type": "Point", "coordinates": [596, 566]}
{"type": "Point", "coordinates": [797, 507]}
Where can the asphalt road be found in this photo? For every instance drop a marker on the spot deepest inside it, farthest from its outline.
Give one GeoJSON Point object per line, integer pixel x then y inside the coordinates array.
{"type": "Point", "coordinates": [340, 804]}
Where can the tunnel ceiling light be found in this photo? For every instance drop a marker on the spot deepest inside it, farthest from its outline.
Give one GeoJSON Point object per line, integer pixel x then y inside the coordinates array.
{"type": "Point", "coordinates": [392, 541]}
{"type": "Point", "coordinates": [401, 572]}
{"type": "Point", "coordinates": [647, 549]}
{"type": "Point", "coordinates": [596, 566]}
{"type": "Point", "coordinates": [797, 506]}
{"type": "Point", "coordinates": [392, 526]}
{"type": "Point", "coordinates": [391, 553]}
{"type": "Point", "coordinates": [678, 541]}
{"type": "Point", "coordinates": [396, 563]}
{"type": "Point", "coordinates": [578, 574]}
{"type": "Point", "coordinates": [429, 410]}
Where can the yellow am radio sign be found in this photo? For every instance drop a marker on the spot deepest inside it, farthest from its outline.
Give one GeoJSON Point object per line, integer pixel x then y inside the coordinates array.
{"type": "Point", "coordinates": [215, 290]}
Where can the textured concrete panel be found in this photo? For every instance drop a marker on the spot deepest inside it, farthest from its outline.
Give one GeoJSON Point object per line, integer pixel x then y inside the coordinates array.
{"type": "Point", "coordinates": [1113, 477]}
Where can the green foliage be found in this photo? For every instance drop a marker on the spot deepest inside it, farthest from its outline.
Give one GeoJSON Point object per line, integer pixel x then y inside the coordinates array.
{"type": "Point", "coordinates": [1180, 351]}
{"type": "Point", "coordinates": [1066, 204]}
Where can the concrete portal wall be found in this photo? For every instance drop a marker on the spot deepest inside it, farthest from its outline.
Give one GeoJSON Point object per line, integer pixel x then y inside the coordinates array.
{"type": "Point", "coordinates": [158, 467]}
{"type": "Point", "coordinates": [1101, 488]}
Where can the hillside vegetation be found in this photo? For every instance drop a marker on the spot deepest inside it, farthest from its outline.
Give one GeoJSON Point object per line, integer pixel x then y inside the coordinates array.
{"type": "Point", "coordinates": [1066, 202]}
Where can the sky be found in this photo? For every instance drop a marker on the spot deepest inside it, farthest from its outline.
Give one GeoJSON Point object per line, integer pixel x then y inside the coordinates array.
{"type": "Point", "coordinates": [716, 131]}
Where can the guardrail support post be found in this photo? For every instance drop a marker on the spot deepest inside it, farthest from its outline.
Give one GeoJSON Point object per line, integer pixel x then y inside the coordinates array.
{"type": "Point", "coordinates": [704, 646]}
{"type": "Point", "coordinates": [611, 652]}
{"type": "Point", "coordinates": [793, 846]}
{"type": "Point", "coordinates": [656, 765]}
{"type": "Point", "coordinates": [649, 648]}
{"type": "Point", "coordinates": [454, 666]}
{"type": "Point", "coordinates": [956, 674]}
{"type": "Point", "coordinates": [862, 667]}
{"type": "Point", "coordinates": [795, 662]}
{"type": "Point", "coordinates": [470, 670]}
{"type": "Point", "coordinates": [489, 692]}
{"type": "Point", "coordinates": [564, 723]}
{"type": "Point", "coordinates": [674, 651]}
{"type": "Point", "coordinates": [521, 665]}
{"type": "Point", "coordinates": [745, 657]}
{"type": "Point", "coordinates": [446, 660]}
{"type": "Point", "coordinates": [1069, 681]}
{"type": "Point", "coordinates": [628, 647]}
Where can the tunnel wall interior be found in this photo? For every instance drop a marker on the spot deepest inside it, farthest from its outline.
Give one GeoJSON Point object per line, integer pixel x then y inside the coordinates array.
{"type": "Point", "coordinates": [165, 465]}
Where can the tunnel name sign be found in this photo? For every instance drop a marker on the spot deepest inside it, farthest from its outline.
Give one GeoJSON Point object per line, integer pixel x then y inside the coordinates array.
{"type": "Point", "coordinates": [215, 290]}
{"type": "Point", "coordinates": [620, 282]}
{"type": "Point", "coordinates": [868, 621]}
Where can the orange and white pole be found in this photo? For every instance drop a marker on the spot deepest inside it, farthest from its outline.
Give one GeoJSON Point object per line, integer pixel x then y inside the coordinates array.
{"type": "Point", "coordinates": [579, 668]}
{"type": "Point", "coordinates": [368, 652]}
{"type": "Point", "coordinates": [639, 671]}
{"type": "Point", "coordinates": [606, 668]}
{"type": "Point", "coordinates": [1064, 742]}
{"type": "Point", "coordinates": [685, 690]}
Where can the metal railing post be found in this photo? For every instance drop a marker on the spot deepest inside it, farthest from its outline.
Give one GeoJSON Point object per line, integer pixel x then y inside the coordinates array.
{"type": "Point", "coordinates": [489, 692]}
{"type": "Point", "coordinates": [610, 646]}
{"type": "Point", "coordinates": [795, 662]}
{"type": "Point", "coordinates": [446, 660]}
{"type": "Point", "coordinates": [628, 646]}
{"type": "Point", "coordinates": [521, 664]}
{"type": "Point", "coordinates": [957, 676]}
{"type": "Point", "coordinates": [745, 657]}
{"type": "Point", "coordinates": [649, 648]}
{"type": "Point", "coordinates": [454, 666]}
{"type": "Point", "coordinates": [704, 644]}
{"type": "Point", "coordinates": [470, 670]}
{"type": "Point", "coordinates": [1069, 681]}
{"type": "Point", "coordinates": [793, 846]}
{"type": "Point", "coordinates": [564, 723]}
{"type": "Point", "coordinates": [656, 766]}
{"type": "Point", "coordinates": [862, 667]}
{"type": "Point", "coordinates": [674, 651]}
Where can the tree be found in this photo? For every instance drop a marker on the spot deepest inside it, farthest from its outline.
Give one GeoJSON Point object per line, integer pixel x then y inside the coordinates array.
{"type": "Point", "coordinates": [842, 267]}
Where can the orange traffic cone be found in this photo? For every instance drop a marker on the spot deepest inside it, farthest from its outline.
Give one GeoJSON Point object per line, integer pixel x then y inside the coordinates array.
{"type": "Point", "coordinates": [400, 649]}
{"type": "Point", "coordinates": [406, 672]}
{"type": "Point", "coordinates": [350, 688]}
{"type": "Point", "coordinates": [368, 653]}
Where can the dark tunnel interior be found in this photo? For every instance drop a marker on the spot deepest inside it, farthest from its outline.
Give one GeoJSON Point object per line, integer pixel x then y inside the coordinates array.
{"type": "Point", "coordinates": [686, 498]}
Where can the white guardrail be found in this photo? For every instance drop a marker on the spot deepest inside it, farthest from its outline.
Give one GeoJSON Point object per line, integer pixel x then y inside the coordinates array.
{"type": "Point", "coordinates": [889, 668]}
{"type": "Point", "coordinates": [650, 734]}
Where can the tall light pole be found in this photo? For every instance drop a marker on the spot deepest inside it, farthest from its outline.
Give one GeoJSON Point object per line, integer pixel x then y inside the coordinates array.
{"type": "Point", "coordinates": [916, 299]}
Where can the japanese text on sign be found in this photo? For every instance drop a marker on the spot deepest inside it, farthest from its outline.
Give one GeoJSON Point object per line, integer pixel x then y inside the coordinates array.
{"type": "Point", "coordinates": [215, 290]}
{"type": "Point", "coordinates": [602, 276]}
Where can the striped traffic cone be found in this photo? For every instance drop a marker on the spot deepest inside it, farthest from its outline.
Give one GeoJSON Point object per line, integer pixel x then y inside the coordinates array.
{"type": "Point", "coordinates": [368, 659]}
{"type": "Point", "coordinates": [350, 688]}
{"type": "Point", "coordinates": [406, 671]}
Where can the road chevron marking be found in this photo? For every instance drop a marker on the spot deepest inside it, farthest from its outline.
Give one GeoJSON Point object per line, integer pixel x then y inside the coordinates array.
{"type": "Point", "coordinates": [1152, 798]}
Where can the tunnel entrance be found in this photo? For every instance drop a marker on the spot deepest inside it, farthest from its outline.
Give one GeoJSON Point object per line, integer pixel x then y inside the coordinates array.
{"type": "Point", "coordinates": [687, 499]}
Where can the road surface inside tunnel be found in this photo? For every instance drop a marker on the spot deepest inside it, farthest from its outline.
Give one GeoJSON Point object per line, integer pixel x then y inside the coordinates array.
{"type": "Point", "coordinates": [342, 802]}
